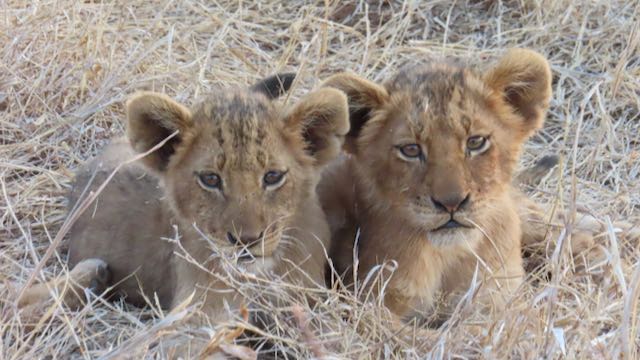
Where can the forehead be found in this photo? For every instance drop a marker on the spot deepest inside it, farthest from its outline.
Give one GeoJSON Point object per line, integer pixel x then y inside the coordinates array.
{"type": "Point", "coordinates": [439, 97]}
{"type": "Point", "coordinates": [236, 128]}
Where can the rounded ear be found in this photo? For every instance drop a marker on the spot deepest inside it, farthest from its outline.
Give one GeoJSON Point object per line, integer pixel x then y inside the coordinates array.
{"type": "Point", "coordinates": [152, 117]}
{"type": "Point", "coordinates": [274, 86]}
{"type": "Point", "coordinates": [523, 79]}
{"type": "Point", "coordinates": [322, 120]}
{"type": "Point", "coordinates": [364, 98]}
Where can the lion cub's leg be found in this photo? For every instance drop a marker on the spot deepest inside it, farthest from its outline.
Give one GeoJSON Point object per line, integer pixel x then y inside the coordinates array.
{"type": "Point", "coordinates": [538, 226]}
{"type": "Point", "coordinates": [542, 230]}
{"type": "Point", "coordinates": [93, 274]}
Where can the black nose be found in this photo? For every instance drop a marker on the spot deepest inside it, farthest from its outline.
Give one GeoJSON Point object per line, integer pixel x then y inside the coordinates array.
{"type": "Point", "coordinates": [451, 203]}
{"type": "Point", "coordinates": [247, 239]}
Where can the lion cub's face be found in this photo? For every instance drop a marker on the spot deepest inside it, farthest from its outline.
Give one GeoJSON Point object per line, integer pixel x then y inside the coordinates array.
{"type": "Point", "coordinates": [438, 143]}
{"type": "Point", "coordinates": [241, 166]}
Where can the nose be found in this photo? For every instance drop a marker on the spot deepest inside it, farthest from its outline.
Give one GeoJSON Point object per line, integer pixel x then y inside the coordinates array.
{"type": "Point", "coordinates": [245, 239]}
{"type": "Point", "coordinates": [451, 202]}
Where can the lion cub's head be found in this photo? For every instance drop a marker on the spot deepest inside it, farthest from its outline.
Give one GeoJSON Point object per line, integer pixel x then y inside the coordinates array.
{"type": "Point", "coordinates": [241, 164]}
{"type": "Point", "coordinates": [438, 143]}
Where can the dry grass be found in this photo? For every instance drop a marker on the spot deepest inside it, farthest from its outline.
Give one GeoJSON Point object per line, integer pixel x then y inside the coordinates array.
{"type": "Point", "coordinates": [66, 67]}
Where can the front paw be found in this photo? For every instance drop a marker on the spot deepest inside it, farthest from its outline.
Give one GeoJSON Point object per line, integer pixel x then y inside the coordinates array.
{"type": "Point", "coordinates": [93, 274]}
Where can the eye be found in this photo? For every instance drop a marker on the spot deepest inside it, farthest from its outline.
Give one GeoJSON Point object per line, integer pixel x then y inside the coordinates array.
{"type": "Point", "coordinates": [477, 144]}
{"type": "Point", "coordinates": [210, 180]}
{"type": "Point", "coordinates": [410, 151]}
{"type": "Point", "coordinates": [273, 178]}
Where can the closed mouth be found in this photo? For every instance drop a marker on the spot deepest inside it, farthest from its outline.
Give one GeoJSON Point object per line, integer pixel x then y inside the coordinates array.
{"type": "Point", "coordinates": [451, 224]}
{"type": "Point", "coordinates": [257, 250]}
{"type": "Point", "coordinates": [245, 255]}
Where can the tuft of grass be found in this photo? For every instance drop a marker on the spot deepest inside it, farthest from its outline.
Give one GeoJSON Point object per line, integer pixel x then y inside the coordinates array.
{"type": "Point", "coordinates": [67, 66]}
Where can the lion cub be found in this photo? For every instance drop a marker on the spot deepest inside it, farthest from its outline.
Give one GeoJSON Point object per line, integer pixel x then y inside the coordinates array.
{"type": "Point", "coordinates": [428, 178]}
{"type": "Point", "coordinates": [237, 183]}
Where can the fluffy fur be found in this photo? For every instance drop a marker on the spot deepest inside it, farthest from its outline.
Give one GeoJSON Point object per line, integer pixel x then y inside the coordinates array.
{"type": "Point", "coordinates": [452, 209]}
{"type": "Point", "coordinates": [241, 136]}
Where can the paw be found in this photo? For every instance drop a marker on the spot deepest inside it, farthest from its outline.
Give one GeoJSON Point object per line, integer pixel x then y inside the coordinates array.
{"type": "Point", "coordinates": [582, 242]}
{"type": "Point", "coordinates": [93, 274]}
{"type": "Point", "coordinates": [101, 279]}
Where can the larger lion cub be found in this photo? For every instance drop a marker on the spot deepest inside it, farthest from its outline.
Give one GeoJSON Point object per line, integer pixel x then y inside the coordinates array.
{"type": "Point", "coordinates": [428, 178]}
{"type": "Point", "coordinates": [237, 183]}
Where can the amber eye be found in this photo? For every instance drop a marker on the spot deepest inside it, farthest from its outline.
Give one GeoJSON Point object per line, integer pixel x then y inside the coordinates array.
{"type": "Point", "coordinates": [210, 180]}
{"type": "Point", "coordinates": [477, 144]}
{"type": "Point", "coordinates": [411, 150]}
{"type": "Point", "coordinates": [273, 177]}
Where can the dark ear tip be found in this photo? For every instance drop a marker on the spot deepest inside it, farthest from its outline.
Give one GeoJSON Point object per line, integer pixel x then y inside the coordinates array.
{"type": "Point", "coordinates": [276, 85]}
{"type": "Point", "coordinates": [287, 77]}
{"type": "Point", "coordinates": [548, 161]}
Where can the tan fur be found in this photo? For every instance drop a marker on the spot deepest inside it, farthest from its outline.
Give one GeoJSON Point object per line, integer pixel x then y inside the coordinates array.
{"type": "Point", "coordinates": [437, 106]}
{"type": "Point", "coordinates": [544, 226]}
{"type": "Point", "coordinates": [240, 135]}
{"type": "Point", "coordinates": [88, 274]}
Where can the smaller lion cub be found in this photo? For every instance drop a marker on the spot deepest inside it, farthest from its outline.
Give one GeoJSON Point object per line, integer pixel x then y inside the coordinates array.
{"type": "Point", "coordinates": [237, 182]}
{"type": "Point", "coordinates": [428, 178]}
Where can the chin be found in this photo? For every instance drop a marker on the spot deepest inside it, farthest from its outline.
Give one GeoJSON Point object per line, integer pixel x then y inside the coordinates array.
{"type": "Point", "coordinates": [454, 237]}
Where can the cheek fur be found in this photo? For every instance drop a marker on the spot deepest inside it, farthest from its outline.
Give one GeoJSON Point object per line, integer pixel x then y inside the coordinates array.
{"type": "Point", "coordinates": [391, 176]}
{"type": "Point", "coordinates": [507, 152]}
{"type": "Point", "coordinates": [190, 202]}
{"type": "Point", "coordinates": [181, 194]}
{"type": "Point", "coordinates": [489, 172]}
{"type": "Point", "coordinates": [483, 169]}
{"type": "Point", "coordinates": [280, 200]}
